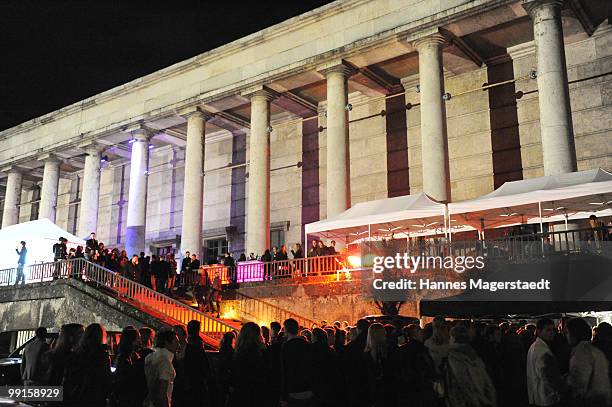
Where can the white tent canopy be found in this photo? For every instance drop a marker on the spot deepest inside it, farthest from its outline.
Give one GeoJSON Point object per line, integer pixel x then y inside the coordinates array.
{"type": "Point", "coordinates": [402, 213]}
{"type": "Point", "coordinates": [39, 235]}
{"type": "Point", "coordinates": [555, 195]}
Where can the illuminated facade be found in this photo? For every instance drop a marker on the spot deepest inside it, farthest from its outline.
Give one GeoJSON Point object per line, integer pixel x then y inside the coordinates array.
{"type": "Point", "coordinates": [241, 146]}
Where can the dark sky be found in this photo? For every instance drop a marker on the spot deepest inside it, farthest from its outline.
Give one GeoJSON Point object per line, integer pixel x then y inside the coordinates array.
{"type": "Point", "coordinates": [56, 52]}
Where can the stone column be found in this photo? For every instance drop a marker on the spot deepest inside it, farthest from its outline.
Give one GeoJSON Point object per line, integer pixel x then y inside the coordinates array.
{"type": "Point", "coordinates": [338, 183]}
{"type": "Point", "coordinates": [50, 184]}
{"type": "Point", "coordinates": [12, 198]}
{"type": "Point", "coordinates": [88, 210]}
{"type": "Point", "coordinates": [193, 191]}
{"type": "Point", "coordinates": [434, 141]}
{"type": "Point", "coordinates": [137, 199]}
{"type": "Point", "coordinates": [258, 209]}
{"type": "Point", "coordinates": [555, 112]}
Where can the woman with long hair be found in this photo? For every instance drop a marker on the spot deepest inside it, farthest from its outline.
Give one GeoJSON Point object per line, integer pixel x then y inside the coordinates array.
{"type": "Point", "coordinates": [327, 377]}
{"type": "Point", "coordinates": [87, 377]}
{"type": "Point", "coordinates": [128, 379]}
{"type": "Point", "coordinates": [68, 338]}
{"type": "Point", "coordinates": [224, 365]}
{"type": "Point", "coordinates": [249, 369]}
{"type": "Point", "coordinates": [381, 364]}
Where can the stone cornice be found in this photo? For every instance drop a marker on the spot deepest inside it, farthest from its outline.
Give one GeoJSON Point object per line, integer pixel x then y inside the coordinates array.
{"type": "Point", "coordinates": [384, 37]}
{"type": "Point", "coordinates": [223, 51]}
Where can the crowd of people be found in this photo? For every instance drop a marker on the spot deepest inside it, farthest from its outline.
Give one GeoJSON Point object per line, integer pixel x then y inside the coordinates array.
{"type": "Point", "coordinates": [447, 363]}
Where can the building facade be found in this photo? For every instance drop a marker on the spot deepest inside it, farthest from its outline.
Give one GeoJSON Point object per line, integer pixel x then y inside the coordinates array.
{"type": "Point", "coordinates": [240, 147]}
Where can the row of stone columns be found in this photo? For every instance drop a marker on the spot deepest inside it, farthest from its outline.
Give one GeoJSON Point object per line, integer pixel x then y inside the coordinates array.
{"type": "Point", "coordinates": [555, 123]}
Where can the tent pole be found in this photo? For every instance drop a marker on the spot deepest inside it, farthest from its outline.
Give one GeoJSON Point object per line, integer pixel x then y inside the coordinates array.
{"type": "Point", "coordinates": [445, 219]}
{"type": "Point", "coordinates": [305, 247]}
{"type": "Point", "coordinates": [540, 214]}
{"type": "Point", "coordinates": [482, 229]}
{"type": "Point", "coordinates": [566, 221]}
{"type": "Point", "coordinates": [369, 242]}
{"type": "Point", "coordinates": [450, 229]}
{"type": "Point", "coordinates": [541, 226]}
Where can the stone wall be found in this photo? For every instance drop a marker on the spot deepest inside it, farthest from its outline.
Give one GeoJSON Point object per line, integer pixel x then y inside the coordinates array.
{"type": "Point", "coordinates": [52, 304]}
{"type": "Point", "coordinates": [493, 137]}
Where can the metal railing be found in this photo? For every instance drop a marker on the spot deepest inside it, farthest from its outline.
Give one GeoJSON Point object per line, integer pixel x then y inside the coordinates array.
{"type": "Point", "coordinates": [258, 271]}
{"type": "Point", "coordinates": [145, 298]}
{"type": "Point", "coordinates": [264, 312]}
{"type": "Point", "coordinates": [520, 248]}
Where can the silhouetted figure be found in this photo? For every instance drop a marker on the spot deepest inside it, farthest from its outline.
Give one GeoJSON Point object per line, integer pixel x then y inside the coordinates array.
{"type": "Point", "coordinates": [87, 376]}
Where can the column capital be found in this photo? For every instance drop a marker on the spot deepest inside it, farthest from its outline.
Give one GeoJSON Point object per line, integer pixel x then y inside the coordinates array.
{"type": "Point", "coordinates": [93, 147]}
{"type": "Point", "coordinates": [260, 91]}
{"type": "Point", "coordinates": [49, 158]}
{"type": "Point", "coordinates": [195, 111]}
{"type": "Point", "coordinates": [533, 6]}
{"type": "Point", "coordinates": [12, 168]}
{"type": "Point", "coordinates": [142, 134]}
{"type": "Point", "coordinates": [337, 66]}
{"type": "Point", "coordinates": [433, 40]}
{"type": "Point", "coordinates": [410, 82]}
{"type": "Point", "coordinates": [139, 131]}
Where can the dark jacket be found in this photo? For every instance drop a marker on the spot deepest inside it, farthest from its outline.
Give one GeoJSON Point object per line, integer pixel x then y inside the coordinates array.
{"type": "Point", "coordinates": [92, 245]}
{"type": "Point", "coordinates": [59, 251]}
{"type": "Point", "coordinates": [197, 373]}
{"type": "Point", "coordinates": [56, 363]}
{"type": "Point", "coordinates": [194, 265]}
{"type": "Point", "coordinates": [417, 374]}
{"type": "Point", "coordinates": [87, 378]}
{"type": "Point", "coordinates": [128, 382]}
{"type": "Point", "coordinates": [135, 272]}
{"type": "Point", "coordinates": [326, 375]}
{"type": "Point", "coordinates": [185, 264]}
{"type": "Point", "coordinates": [248, 383]}
{"type": "Point", "coordinates": [296, 367]}
{"type": "Point", "coordinates": [383, 378]}
{"type": "Point", "coordinates": [356, 381]}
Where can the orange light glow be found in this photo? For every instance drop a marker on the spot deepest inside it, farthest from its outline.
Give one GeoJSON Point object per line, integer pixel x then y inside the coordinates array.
{"type": "Point", "coordinates": [354, 261]}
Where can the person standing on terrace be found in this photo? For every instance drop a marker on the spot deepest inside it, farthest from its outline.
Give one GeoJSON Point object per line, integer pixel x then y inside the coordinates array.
{"type": "Point", "coordinates": [21, 262]}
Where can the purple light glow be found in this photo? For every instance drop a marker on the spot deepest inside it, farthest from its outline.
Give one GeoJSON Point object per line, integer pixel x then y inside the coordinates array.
{"type": "Point", "coordinates": [131, 141]}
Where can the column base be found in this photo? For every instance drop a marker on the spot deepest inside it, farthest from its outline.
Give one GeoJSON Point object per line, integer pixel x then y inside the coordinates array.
{"type": "Point", "coordinates": [134, 241]}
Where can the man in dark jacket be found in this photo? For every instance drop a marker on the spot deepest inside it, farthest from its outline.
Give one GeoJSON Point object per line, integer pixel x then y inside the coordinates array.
{"type": "Point", "coordinates": [229, 261]}
{"type": "Point", "coordinates": [197, 368]}
{"type": "Point", "coordinates": [154, 268]}
{"type": "Point", "coordinates": [296, 367]}
{"type": "Point", "coordinates": [21, 262]}
{"type": "Point", "coordinates": [32, 363]}
{"type": "Point", "coordinates": [145, 270]}
{"type": "Point", "coordinates": [418, 373]}
{"type": "Point", "coordinates": [163, 272]}
{"type": "Point", "coordinates": [185, 263]}
{"type": "Point", "coordinates": [357, 382]}
{"type": "Point", "coordinates": [93, 245]}
{"type": "Point", "coordinates": [59, 253]}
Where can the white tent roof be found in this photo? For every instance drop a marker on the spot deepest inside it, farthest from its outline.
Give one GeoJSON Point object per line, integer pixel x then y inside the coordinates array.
{"type": "Point", "coordinates": [39, 229]}
{"type": "Point", "coordinates": [516, 201]}
{"type": "Point", "coordinates": [39, 235]}
{"type": "Point", "coordinates": [390, 213]}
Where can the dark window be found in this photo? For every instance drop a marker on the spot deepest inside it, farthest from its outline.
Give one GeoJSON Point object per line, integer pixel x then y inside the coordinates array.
{"type": "Point", "coordinates": [277, 238]}
{"type": "Point", "coordinates": [163, 251]}
{"type": "Point", "coordinates": [35, 203]}
{"type": "Point", "coordinates": [215, 248]}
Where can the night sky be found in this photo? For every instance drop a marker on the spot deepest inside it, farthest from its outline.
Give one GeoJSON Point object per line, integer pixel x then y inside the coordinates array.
{"type": "Point", "coordinates": [57, 52]}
